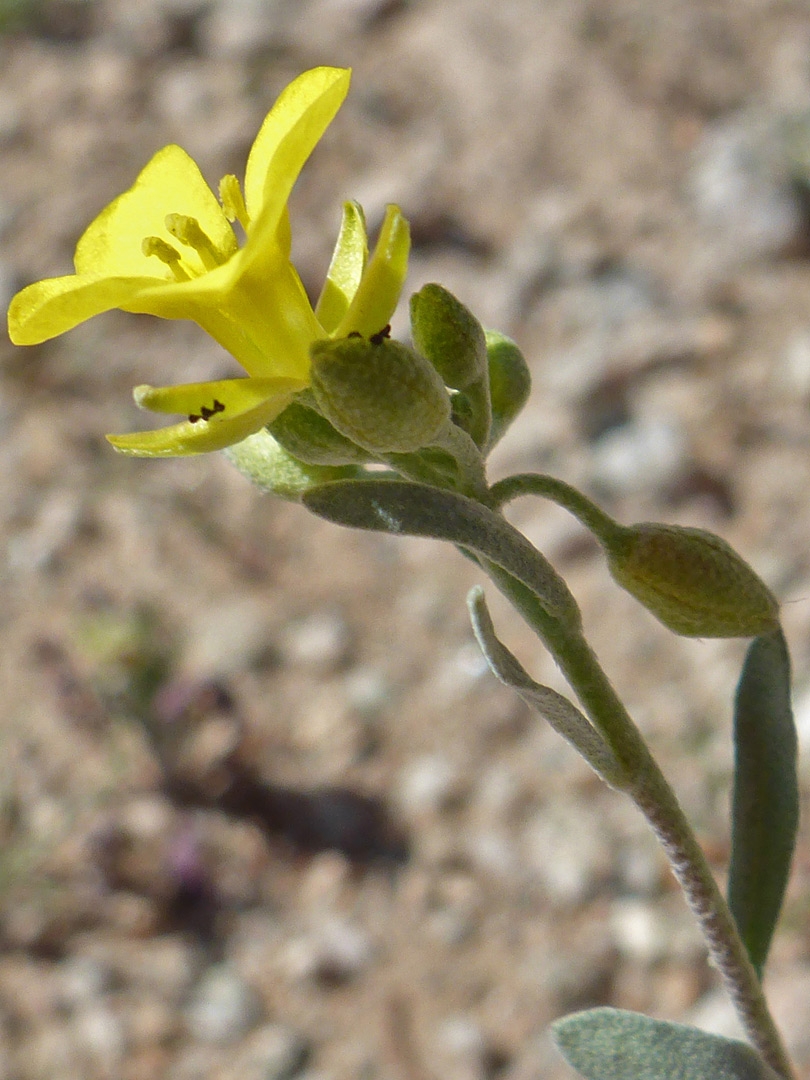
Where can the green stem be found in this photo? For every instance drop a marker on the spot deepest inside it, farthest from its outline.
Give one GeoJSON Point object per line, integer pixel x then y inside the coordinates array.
{"type": "Point", "coordinates": [602, 525]}
{"type": "Point", "coordinates": [452, 462]}
{"type": "Point", "coordinates": [471, 469]}
{"type": "Point", "coordinates": [657, 801]}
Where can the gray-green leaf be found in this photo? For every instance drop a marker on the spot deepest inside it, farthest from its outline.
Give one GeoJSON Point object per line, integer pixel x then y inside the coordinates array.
{"type": "Point", "coordinates": [765, 807]}
{"type": "Point", "coordinates": [611, 1044]}
{"type": "Point", "coordinates": [561, 714]}
{"type": "Point", "coordinates": [403, 507]}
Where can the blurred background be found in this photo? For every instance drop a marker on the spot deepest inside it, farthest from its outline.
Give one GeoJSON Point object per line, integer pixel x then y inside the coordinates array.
{"type": "Point", "coordinates": [264, 814]}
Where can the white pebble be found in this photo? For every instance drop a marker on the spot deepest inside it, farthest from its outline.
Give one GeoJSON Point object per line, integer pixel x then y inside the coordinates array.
{"type": "Point", "coordinates": [223, 1007]}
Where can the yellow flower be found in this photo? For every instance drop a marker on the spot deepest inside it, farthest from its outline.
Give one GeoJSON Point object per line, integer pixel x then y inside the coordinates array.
{"type": "Point", "coordinates": [167, 247]}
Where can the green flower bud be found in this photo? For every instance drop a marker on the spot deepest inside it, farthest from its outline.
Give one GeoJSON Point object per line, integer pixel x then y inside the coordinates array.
{"type": "Point", "coordinates": [509, 382]}
{"type": "Point", "coordinates": [266, 464]}
{"type": "Point", "coordinates": [379, 394]}
{"type": "Point", "coordinates": [305, 434]}
{"type": "Point", "coordinates": [692, 581]}
{"type": "Point", "coordinates": [449, 335]}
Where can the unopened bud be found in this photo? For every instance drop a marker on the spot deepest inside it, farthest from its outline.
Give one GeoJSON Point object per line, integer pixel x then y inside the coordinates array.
{"type": "Point", "coordinates": [509, 382]}
{"type": "Point", "coordinates": [267, 464]}
{"type": "Point", "coordinates": [379, 394]}
{"type": "Point", "coordinates": [692, 581]}
{"type": "Point", "coordinates": [449, 335]}
{"type": "Point", "coordinates": [310, 438]}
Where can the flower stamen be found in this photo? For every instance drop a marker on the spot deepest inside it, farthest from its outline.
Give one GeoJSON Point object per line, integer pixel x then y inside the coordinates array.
{"type": "Point", "coordinates": [206, 413]}
{"type": "Point", "coordinates": [188, 231]}
{"type": "Point", "coordinates": [233, 201]}
{"type": "Point", "coordinates": [153, 245]}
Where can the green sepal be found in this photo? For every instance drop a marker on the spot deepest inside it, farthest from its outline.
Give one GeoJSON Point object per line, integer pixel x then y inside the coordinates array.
{"type": "Point", "coordinates": [404, 508]}
{"type": "Point", "coordinates": [379, 394]}
{"type": "Point", "coordinates": [510, 382]}
{"type": "Point", "coordinates": [472, 413]}
{"type": "Point", "coordinates": [462, 411]}
{"type": "Point", "coordinates": [309, 437]}
{"type": "Point", "coordinates": [449, 335]}
{"type": "Point", "coordinates": [432, 465]}
{"type": "Point", "coordinates": [613, 1044]}
{"type": "Point", "coordinates": [266, 464]}
{"type": "Point", "coordinates": [765, 803]}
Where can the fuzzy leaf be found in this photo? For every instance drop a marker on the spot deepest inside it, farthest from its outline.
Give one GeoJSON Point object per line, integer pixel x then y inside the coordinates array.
{"type": "Point", "coordinates": [765, 807]}
{"type": "Point", "coordinates": [561, 714]}
{"type": "Point", "coordinates": [611, 1044]}
{"type": "Point", "coordinates": [406, 508]}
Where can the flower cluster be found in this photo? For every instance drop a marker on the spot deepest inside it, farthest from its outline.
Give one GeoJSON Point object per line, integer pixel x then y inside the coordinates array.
{"type": "Point", "coordinates": [168, 247]}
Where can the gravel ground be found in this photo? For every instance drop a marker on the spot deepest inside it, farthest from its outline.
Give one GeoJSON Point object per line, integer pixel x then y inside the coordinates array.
{"type": "Point", "coordinates": [368, 859]}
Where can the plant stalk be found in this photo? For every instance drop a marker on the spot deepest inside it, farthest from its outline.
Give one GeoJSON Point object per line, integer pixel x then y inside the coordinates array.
{"type": "Point", "coordinates": [602, 525]}
{"type": "Point", "coordinates": [655, 798]}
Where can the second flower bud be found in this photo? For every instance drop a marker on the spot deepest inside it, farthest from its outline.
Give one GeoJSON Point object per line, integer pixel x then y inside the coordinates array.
{"type": "Point", "coordinates": [379, 393]}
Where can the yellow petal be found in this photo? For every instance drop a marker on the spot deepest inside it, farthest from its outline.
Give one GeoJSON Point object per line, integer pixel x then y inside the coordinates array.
{"type": "Point", "coordinates": [284, 234]}
{"type": "Point", "coordinates": [223, 398]}
{"type": "Point", "coordinates": [287, 137]}
{"type": "Point", "coordinates": [345, 269]}
{"type": "Point", "coordinates": [201, 437]}
{"type": "Point", "coordinates": [263, 317]}
{"type": "Point", "coordinates": [50, 307]}
{"type": "Point", "coordinates": [378, 293]}
{"type": "Point", "coordinates": [170, 184]}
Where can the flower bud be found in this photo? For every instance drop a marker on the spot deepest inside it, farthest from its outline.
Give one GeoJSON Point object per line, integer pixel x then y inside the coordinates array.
{"type": "Point", "coordinates": [379, 394]}
{"type": "Point", "coordinates": [310, 438]}
{"type": "Point", "coordinates": [265, 463]}
{"type": "Point", "coordinates": [509, 382]}
{"type": "Point", "coordinates": [692, 581]}
{"type": "Point", "coordinates": [449, 335]}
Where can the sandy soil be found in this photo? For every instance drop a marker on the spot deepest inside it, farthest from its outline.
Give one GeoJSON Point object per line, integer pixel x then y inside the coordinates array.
{"type": "Point", "coordinates": [368, 859]}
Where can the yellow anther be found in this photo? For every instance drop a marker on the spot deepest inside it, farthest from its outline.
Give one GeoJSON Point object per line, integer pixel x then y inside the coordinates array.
{"type": "Point", "coordinates": [153, 245]}
{"type": "Point", "coordinates": [233, 201]}
{"type": "Point", "coordinates": [188, 231]}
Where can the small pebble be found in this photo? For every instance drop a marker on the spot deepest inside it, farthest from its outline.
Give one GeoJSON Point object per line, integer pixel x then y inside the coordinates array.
{"type": "Point", "coordinates": [222, 1008]}
{"type": "Point", "coordinates": [644, 455]}
{"type": "Point", "coordinates": [493, 852]}
{"type": "Point", "coordinates": [639, 931]}
{"type": "Point", "coordinates": [565, 853]}
{"type": "Point", "coordinates": [427, 786]}
{"type": "Point", "coordinates": [321, 641]}
{"type": "Point", "coordinates": [236, 29]}
{"type": "Point", "coordinates": [83, 980]}
{"type": "Point", "coordinates": [461, 1047]}
{"type": "Point", "coordinates": [793, 370]}
{"type": "Point", "coordinates": [497, 791]}
{"type": "Point", "coordinates": [333, 954]}
{"type": "Point", "coordinates": [227, 639]}
{"type": "Point", "coordinates": [50, 535]}
{"type": "Point", "coordinates": [742, 189]}
{"type": "Point", "coordinates": [368, 691]}
{"type": "Point", "coordinates": [101, 1034]}
{"type": "Point", "coordinates": [715, 1013]}
{"type": "Point", "coordinates": [272, 1052]}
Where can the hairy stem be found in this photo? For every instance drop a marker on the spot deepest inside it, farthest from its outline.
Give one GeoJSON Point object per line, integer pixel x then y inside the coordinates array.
{"type": "Point", "coordinates": [656, 800]}
{"type": "Point", "coordinates": [602, 525]}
